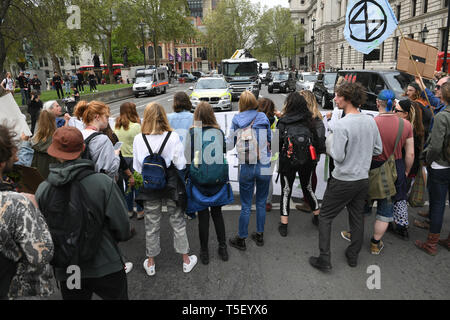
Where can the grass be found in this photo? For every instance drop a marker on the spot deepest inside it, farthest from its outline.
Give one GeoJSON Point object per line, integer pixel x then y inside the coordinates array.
{"type": "Point", "coordinates": [52, 95]}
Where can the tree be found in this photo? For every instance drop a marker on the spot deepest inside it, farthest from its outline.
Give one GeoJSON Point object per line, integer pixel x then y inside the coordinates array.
{"type": "Point", "coordinates": [275, 32]}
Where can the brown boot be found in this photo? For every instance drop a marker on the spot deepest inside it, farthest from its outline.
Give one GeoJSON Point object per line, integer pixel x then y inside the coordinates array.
{"type": "Point", "coordinates": [430, 246]}
{"type": "Point", "coordinates": [445, 242]}
{"type": "Point", "coordinates": [424, 214]}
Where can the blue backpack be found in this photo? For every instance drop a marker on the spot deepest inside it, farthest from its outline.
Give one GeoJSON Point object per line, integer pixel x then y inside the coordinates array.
{"type": "Point", "coordinates": [154, 170]}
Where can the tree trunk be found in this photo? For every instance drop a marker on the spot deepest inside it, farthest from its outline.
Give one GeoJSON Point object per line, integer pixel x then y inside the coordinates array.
{"type": "Point", "coordinates": [155, 50]}
{"type": "Point", "coordinates": [55, 62]}
{"type": "Point", "coordinates": [2, 56]}
{"type": "Point", "coordinates": [110, 59]}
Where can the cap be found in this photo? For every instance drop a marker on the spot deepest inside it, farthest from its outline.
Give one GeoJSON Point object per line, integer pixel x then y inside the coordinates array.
{"type": "Point", "coordinates": [67, 144]}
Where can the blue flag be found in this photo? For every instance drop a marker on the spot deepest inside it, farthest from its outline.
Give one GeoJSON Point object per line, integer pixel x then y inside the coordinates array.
{"type": "Point", "coordinates": [368, 23]}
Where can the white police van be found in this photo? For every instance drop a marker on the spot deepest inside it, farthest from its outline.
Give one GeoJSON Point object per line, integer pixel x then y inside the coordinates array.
{"type": "Point", "coordinates": [151, 81]}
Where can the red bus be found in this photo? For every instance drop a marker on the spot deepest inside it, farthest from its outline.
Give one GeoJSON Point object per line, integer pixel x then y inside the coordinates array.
{"type": "Point", "coordinates": [116, 68]}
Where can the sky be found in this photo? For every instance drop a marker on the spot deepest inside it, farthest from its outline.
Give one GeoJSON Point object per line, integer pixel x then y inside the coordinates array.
{"type": "Point", "coordinates": [272, 3]}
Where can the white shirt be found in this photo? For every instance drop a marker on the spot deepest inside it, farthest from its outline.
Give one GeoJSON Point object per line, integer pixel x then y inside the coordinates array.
{"type": "Point", "coordinates": [173, 151]}
{"type": "Point", "coordinates": [9, 84]}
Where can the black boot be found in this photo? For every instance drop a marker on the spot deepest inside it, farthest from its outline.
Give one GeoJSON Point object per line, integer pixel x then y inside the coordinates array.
{"type": "Point", "coordinates": [258, 238]}
{"type": "Point", "coordinates": [223, 253]}
{"type": "Point", "coordinates": [282, 229]}
{"type": "Point", "coordinates": [320, 264]}
{"type": "Point", "coordinates": [238, 243]}
{"type": "Point", "coordinates": [204, 256]}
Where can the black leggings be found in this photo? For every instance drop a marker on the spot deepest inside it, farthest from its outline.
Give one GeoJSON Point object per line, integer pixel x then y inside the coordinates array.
{"type": "Point", "coordinates": [203, 227]}
{"type": "Point", "coordinates": [92, 85]}
{"type": "Point", "coordinates": [80, 86]}
{"type": "Point", "coordinates": [287, 181]}
{"type": "Point", "coordinates": [58, 90]}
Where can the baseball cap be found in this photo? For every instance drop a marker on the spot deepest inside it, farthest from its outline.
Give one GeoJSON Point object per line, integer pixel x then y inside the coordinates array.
{"type": "Point", "coordinates": [67, 144]}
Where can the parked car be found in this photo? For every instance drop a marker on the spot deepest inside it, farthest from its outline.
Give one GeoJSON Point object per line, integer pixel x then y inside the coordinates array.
{"type": "Point", "coordinates": [376, 80]}
{"type": "Point", "coordinates": [188, 77]}
{"type": "Point", "coordinates": [198, 74]}
{"type": "Point", "coordinates": [282, 81]}
{"type": "Point", "coordinates": [324, 89]}
{"type": "Point", "coordinates": [306, 81]}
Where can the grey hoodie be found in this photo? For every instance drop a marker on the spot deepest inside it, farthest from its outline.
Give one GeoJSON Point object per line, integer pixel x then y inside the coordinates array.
{"type": "Point", "coordinates": [105, 196]}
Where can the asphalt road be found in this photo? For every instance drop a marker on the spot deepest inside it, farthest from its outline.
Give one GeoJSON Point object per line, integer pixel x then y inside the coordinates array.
{"type": "Point", "coordinates": [280, 269]}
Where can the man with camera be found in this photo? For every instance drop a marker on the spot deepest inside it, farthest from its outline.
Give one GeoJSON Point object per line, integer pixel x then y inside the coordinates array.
{"type": "Point", "coordinates": [34, 108]}
{"type": "Point", "coordinates": [36, 85]}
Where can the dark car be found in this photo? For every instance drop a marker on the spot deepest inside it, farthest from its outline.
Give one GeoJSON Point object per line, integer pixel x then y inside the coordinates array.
{"type": "Point", "coordinates": [268, 78]}
{"type": "Point", "coordinates": [198, 74]}
{"type": "Point", "coordinates": [187, 77]}
{"type": "Point", "coordinates": [324, 89]}
{"type": "Point", "coordinates": [376, 80]}
{"type": "Point", "coordinates": [282, 81]}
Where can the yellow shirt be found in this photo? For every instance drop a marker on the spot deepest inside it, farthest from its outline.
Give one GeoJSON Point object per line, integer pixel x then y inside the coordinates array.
{"type": "Point", "coordinates": [127, 137]}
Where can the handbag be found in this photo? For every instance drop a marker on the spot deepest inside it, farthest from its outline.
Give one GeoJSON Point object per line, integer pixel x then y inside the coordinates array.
{"type": "Point", "coordinates": [196, 201]}
{"type": "Point", "coordinates": [382, 179]}
{"type": "Point", "coordinates": [416, 198]}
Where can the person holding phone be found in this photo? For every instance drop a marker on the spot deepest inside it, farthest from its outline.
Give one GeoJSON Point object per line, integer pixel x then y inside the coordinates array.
{"type": "Point", "coordinates": [34, 108]}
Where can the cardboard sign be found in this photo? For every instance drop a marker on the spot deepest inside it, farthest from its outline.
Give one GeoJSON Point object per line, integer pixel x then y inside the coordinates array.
{"type": "Point", "coordinates": [424, 55]}
{"type": "Point", "coordinates": [12, 117]}
{"type": "Point", "coordinates": [29, 179]}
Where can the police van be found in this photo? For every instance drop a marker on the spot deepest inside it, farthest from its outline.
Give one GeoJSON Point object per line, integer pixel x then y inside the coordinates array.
{"type": "Point", "coordinates": [151, 81]}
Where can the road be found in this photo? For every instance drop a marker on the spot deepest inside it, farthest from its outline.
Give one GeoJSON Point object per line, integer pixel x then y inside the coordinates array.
{"type": "Point", "coordinates": [280, 269]}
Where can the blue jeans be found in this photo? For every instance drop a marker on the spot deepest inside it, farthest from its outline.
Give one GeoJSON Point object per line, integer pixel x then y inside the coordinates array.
{"type": "Point", "coordinates": [134, 193]}
{"type": "Point", "coordinates": [67, 86]}
{"type": "Point", "coordinates": [439, 185]}
{"type": "Point", "coordinates": [249, 175]}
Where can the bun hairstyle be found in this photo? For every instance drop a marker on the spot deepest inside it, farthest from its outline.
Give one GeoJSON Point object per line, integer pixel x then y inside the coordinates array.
{"type": "Point", "coordinates": [86, 111]}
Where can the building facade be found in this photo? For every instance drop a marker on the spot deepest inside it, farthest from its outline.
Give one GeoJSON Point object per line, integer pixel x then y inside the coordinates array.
{"type": "Point", "coordinates": [324, 22]}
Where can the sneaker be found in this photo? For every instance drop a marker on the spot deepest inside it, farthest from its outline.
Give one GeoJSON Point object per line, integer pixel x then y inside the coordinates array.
{"type": "Point", "coordinates": [315, 220]}
{"type": "Point", "coordinates": [258, 238]}
{"type": "Point", "coordinates": [320, 264]}
{"type": "Point", "coordinates": [132, 214]}
{"type": "Point", "coordinates": [238, 243]}
{"type": "Point", "coordinates": [282, 229]}
{"type": "Point", "coordinates": [192, 262]}
{"type": "Point", "coordinates": [268, 207]}
{"type": "Point", "coordinates": [128, 267]}
{"type": "Point", "coordinates": [375, 248]}
{"type": "Point", "coordinates": [150, 270]}
{"type": "Point", "coordinates": [346, 235]}
{"type": "Point", "coordinates": [204, 257]}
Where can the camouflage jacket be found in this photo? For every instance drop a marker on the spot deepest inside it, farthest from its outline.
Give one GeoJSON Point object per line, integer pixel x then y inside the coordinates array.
{"type": "Point", "coordinates": [25, 238]}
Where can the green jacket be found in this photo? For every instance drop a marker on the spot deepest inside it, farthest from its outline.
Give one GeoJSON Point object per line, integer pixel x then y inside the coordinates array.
{"type": "Point", "coordinates": [105, 196]}
{"type": "Point", "coordinates": [41, 159]}
{"type": "Point", "coordinates": [438, 139]}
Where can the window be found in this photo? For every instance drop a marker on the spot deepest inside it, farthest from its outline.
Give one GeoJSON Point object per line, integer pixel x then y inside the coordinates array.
{"type": "Point", "coordinates": [302, 50]}
{"type": "Point", "coordinates": [302, 21]}
{"type": "Point", "coordinates": [61, 61]}
{"type": "Point", "coordinates": [302, 1]}
{"type": "Point", "coordinates": [151, 53]}
{"type": "Point", "coordinates": [446, 3]}
{"type": "Point", "coordinates": [395, 48]}
{"type": "Point", "coordinates": [382, 51]}
{"type": "Point", "coordinates": [413, 7]}
{"type": "Point", "coordinates": [46, 62]}
{"type": "Point", "coordinates": [399, 8]}
{"type": "Point", "coordinates": [425, 6]}
{"type": "Point", "coordinates": [443, 37]}
{"type": "Point", "coordinates": [411, 35]}
{"type": "Point", "coordinates": [349, 54]}
{"type": "Point", "coordinates": [159, 52]}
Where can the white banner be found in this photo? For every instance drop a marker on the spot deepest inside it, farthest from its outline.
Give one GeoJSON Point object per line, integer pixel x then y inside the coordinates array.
{"type": "Point", "coordinates": [12, 117]}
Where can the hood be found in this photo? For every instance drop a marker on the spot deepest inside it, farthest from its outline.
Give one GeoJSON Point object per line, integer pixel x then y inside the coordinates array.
{"type": "Point", "coordinates": [292, 118]}
{"type": "Point", "coordinates": [206, 93]}
{"type": "Point", "coordinates": [63, 173]}
{"type": "Point", "coordinates": [243, 119]}
{"type": "Point", "coordinates": [42, 146]}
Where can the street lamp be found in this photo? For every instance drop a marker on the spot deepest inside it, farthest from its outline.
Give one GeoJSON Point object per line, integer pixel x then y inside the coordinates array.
{"type": "Point", "coordinates": [312, 38]}
{"type": "Point", "coordinates": [72, 48]}
{"type": "Point", "coordinates": [423, 33]}
{"type": "Point", "coordinates": [342, 54]}
{"type": "Point", "coordinates": [295, 51]}
{"type": "Point", "coordinates": [143, 43]}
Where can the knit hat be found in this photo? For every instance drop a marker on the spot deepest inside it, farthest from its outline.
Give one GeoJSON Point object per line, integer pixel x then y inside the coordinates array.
{"type": "Point", "coordinates": [387, 95]}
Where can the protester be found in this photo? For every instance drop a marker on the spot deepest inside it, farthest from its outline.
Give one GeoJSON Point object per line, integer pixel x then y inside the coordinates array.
{"type": "Point", "coordinates": [8, 83]}
{"type": "Point", "coordinates": [247, 127]}
{"type": "Point", "coordinates": [36, 84]}
{"type": "Point", "coordinates": [23, 85]}
{"type": "Point", "coordinates": [41, 141]}
{"type": "Point", "coordinates": [320, 128]}
{"type": "Point", "coordinates": [74, 80]}
{"type": "Point", "coordinates": [80, 81]}
{"type": "Point", "coordinates": [267, 107]}
{"type": "Point", "coordinates": [34, 107]}
{"type": "Point", "coordinates": [349, 183]}
{"type": "Point", "coordinates": [438, 163]}
{"type": "Point", "coordinates": [206, 165]}
{"type": "Point", "coordinates": [57, 83]}
{"type": "Point", "coordinates": [54, 107]}
{"type": "Point", "coordinates": [105, 274]}
{"type": "Point", "coordinates": [26, 244]}
{"type": "Point", "coordinates": [92, 82]}
{"type": "Point", "coordinates": [128, 126]}
{"type": "Point", "coordinates": [156, 130]}
{"type": "Point", "coordinates": [181, 119]}
{"type": "Point", "coordinates": [413, 93]}
{"type": "Point", "coordinates": [95, 115]}
{"type": "Point", "coordinates": [28, 87]}
{"type": "Point", "coordinates": [76, 94]}
{"type": "Point", "coordinates": [67, 78]}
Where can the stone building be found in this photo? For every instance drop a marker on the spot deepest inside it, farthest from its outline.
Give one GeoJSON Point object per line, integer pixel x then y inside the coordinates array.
{"type": "Point", "coordinates": [331, 47]}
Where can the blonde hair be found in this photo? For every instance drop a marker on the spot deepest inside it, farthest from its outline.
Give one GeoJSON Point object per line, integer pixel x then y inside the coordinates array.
{"type": "Point", "coordinates": [155, 120]}
{"type": "Point", "coordinates": [312, 103]}
{"type": "Point", "coordinates": [205, 113]}
{"type": "Point", "coordinates": [86, 111]}
{"type": "Point", "coordinates": [247, 101]}
{"type": "Point", "coordinates": [46, 126]}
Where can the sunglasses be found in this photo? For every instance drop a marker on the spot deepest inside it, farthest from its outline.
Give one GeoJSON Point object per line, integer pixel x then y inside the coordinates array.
{"type": "Point", "coordinates": [397, 111]}
{"type": "Point", "coordinates": [438, 87]}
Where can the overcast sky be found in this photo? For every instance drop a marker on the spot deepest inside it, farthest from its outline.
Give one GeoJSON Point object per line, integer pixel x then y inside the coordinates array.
{"type": "Point", "coordinates": [272, 3]}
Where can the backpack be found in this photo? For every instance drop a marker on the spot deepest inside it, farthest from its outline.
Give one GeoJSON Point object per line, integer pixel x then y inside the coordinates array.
{"type": "Point", "coordinates": [76, 228]}
{"type": "Point", "coordinates": [86, 153]}
{"type": "Point", "coordinates": [154, 170]}
{"type": "Point", "coordinates": [247, 145]}
{"type": "Point", "coordinates": [204, 173]}
{"type": "Point", "coordinates": [297, 148]}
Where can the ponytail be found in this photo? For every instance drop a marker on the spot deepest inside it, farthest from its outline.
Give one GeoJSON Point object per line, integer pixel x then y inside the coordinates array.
{"type": "Point", "coordinates": [86, 111]}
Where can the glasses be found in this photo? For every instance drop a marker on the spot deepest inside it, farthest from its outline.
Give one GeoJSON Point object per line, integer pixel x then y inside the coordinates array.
{"type": "Point", "coordinates": [438, 87]}
{"type": "Point", "coordinates": [397, 111]}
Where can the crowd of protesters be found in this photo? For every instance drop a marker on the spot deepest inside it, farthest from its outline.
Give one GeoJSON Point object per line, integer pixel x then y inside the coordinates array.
{"type": "Point", "coordinates": [181, 160]}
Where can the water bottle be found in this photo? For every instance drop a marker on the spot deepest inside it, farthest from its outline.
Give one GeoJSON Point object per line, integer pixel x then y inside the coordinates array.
{"type": "Point", "coordinates": [312, 152]}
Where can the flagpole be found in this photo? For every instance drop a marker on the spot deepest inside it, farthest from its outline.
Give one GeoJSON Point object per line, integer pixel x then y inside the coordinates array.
{"type": "Point", "coordinates": [415, 65]}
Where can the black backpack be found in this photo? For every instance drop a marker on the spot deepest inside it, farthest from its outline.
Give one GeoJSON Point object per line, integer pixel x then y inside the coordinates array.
{"type": "Point", "coordinates": [295, 151]}
{"type": "Point", "coordinates": [76, 228]}
{"type": "Point", "coordinates": [86, 153]}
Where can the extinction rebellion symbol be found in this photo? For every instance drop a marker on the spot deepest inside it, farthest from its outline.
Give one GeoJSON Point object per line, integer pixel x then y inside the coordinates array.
{"type": "Point", "coordinates": [370, 15]}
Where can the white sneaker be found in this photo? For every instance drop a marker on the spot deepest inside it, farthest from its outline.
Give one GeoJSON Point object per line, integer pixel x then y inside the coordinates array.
{"type": "Point", "coordinates": [128, 267]}
{"type": "Point", "coordinates": [192, 262]}
{"type": "Point", "coordinates": [150, 270]}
